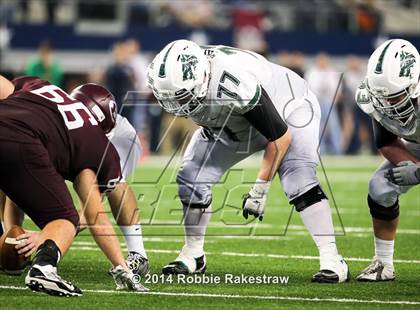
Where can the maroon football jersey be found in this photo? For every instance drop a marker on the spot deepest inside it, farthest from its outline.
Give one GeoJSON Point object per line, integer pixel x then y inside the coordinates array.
{"type": "Point", "coordinates": [67, 129]}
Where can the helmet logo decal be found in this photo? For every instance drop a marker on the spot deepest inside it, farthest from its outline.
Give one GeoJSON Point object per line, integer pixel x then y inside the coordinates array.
{"type": "Point", "coordinates": [407, 61]}
{"type": "Point", "coordinates": [378, 69]}
{"type": "Point", "coordinates": [189, 62]}
{"type": "Point", "coordinates": [113, 110]}
{"type": "Point", "coordinates": [162, 72]}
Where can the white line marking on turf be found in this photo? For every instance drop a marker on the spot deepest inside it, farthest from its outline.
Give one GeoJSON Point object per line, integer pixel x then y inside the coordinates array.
{"type": "Point", "coordinates": [280, 227]}
{"type": "Point", "coordinates": [287, 298]}
{"type": "Point", "coordinates": [279, 256]}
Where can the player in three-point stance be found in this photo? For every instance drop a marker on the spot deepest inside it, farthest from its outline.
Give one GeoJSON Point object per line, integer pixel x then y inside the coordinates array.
{"type": "Point", "coordinates": [390, 95]}
{"type": "Point", "coordinates": [122, 199]}
{"type": "Point", "coordinates": [47, 137]}
{"type": "Point", "coordinates": [243, 102]}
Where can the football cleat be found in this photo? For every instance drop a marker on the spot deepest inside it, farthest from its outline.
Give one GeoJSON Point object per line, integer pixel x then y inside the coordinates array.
{"type": "Point", "coordinates": [333, 269]}
{"type": "Point", "coordinates": [186, 265]}
{"type": "Point", "coordinates": [377, 271]}
{"type": "Point", "coordinates": [45, 279]}
{"type": "Point", "coordinates": [126, 280]}
{"type": "Point", "coordinates": [137, 263]}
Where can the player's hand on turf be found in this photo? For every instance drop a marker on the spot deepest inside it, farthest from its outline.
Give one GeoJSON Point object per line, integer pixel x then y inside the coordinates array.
{"type": "Point", "coordinates": [126, 280]}
{"type": "Point", "coordinates": [405, 174]}
{"type": "Point", "coordinates": [28, 243]}
{"type": "Point", "coordinates": [254, 201]}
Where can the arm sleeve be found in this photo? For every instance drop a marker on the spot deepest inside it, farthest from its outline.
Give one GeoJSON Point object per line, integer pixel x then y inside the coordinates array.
{"type": "Point", "coordinates": [382, 136]}
{"type": "Point", "coordinates": [265, 118]}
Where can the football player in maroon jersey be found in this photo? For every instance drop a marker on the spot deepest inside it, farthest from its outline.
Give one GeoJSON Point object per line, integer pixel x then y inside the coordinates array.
{"type": "Point", "coordinates": [122, 199]}
{"type": "Point", "coordinates": [47, 137]}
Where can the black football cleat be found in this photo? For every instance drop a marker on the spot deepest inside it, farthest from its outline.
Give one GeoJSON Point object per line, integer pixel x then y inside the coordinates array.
{"type": "Point", "coordinates": [186, 265]}
{"type": "Point", "coordinates": [45, 279]}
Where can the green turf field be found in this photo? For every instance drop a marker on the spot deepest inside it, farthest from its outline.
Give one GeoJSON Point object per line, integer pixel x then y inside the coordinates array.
{"type": "Point", "coordinates": [279, 246]}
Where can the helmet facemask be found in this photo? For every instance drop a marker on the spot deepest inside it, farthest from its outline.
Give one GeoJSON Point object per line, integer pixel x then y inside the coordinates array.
{"type": "Point", "coordinates": [183, 102]}
{"type": "Point", "coordinates": [399, 106]}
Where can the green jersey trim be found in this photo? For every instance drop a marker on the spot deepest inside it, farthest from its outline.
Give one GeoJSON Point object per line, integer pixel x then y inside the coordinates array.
{"type": "Point", "coordinates": [254, 101]}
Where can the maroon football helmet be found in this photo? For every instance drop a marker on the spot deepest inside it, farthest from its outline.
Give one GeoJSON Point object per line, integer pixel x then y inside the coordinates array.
{"type": "Point", "coordinates": [100, 102]}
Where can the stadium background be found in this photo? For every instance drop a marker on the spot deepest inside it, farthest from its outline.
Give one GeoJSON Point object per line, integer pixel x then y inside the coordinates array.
{"type": "Point", "coordinates": [111, 42]}
{"type": "Point", "coordinates": [95, 41]}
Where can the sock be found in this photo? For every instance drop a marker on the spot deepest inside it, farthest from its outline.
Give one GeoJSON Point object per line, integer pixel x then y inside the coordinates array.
{"type": "Point", "coordinates": [134, 239]}
{"type": "Point", "coordinates": [318, 220]}
{"type": "Point", "coordinates": [196, 221]}
{"type": "Point", "coordinates": [384, 251]}
{"type": "Point", "coordinates": [48, 253]}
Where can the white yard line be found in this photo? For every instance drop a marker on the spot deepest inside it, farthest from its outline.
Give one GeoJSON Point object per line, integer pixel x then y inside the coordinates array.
{"type": "Point", "coordinates": [266, 255]}
{"type": "Point", "coordinates": [260, 297]}
{"type": "Point", "coordinates": [161, 223]}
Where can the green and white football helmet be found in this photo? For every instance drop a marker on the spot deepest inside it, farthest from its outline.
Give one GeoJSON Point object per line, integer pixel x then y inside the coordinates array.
{"type": "Point", "coordinates": [179, 77]}
{"type": "Point", "coordinates": [392, 80]}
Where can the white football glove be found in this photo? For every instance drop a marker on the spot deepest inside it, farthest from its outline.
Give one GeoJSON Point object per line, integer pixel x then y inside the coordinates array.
{"type": "Point", "coordinates": [126, 280]}
{"type": "Point", "coordinates": [362, 98]}
{"type": "Point", "coordinates": [254, 201]}
{"type": "Point", "coordinates": [405, 174]}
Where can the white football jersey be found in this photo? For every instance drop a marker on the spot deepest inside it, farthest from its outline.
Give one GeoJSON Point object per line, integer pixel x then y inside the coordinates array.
{"type": "Point", "coordinates": [124, 138]}
{"type": "Point", "coordinates": [236, 82]}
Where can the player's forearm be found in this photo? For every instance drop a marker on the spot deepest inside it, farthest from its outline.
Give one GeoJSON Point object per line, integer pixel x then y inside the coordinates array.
{"type": "Point", "coordinates": [273, 156]}
{"type": "Point", "coordinates": [96, 218]}
{"type": "Point", "coordinates": [396, 152]}
{"type": "Point", "coordinates": [124, 205]}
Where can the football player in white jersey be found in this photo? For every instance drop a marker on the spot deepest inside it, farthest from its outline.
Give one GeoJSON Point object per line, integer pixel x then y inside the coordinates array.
{"type": "Point", "coordinates": [122, 199]}
{"type": "Point", "coordinates": [390, 95]}
{"type": "Point", "coordinates": [244, 104]}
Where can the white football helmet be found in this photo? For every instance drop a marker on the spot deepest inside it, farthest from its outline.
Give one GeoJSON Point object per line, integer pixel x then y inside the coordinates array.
{"type": "Point", "coordinates": [179, 77]}
{"type": "Point", "coordinates": [393, 80]}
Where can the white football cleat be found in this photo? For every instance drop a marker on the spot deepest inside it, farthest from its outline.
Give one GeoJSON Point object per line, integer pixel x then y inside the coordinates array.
{"type": "Point", "coordinates": [186, 264]}
{"type": "Point", "coordinates": [126, 280]}
{"type": "Point", "coordinates": [333, 269]}
{"type": "Point", "coordinates": [377, 271]}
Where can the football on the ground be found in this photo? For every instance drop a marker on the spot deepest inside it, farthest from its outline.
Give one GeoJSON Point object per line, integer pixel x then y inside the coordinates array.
{"type": "Point", "coordinates": [10, 261]}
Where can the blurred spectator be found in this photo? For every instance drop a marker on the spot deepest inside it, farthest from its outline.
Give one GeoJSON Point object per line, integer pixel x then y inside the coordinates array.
{"type": "Point", "coordinates": [247, 19]}
{"type": "Point", "coordinates": [324, 82]}
{"type": "Point", "coordinates": [192, 13]}
{"type": "Point", "coordinates": [357, 126]}
{"type": "Point", "coordinates": [146, 117]}
{"type": "Point", "coordinates": [119, 79]}
{"type": "Point", "coordinates": [45, 66]}
{"type": "Point", "coordinates": [298, 63]}
{"type": "Point", "coordinates": [51, 9]}
{"type": "Point", "coordinates": [368, 17]}
{"type": "Point", "coordinates": [295, 61]}
{"type": "Point", "coordinates": [96, 75]}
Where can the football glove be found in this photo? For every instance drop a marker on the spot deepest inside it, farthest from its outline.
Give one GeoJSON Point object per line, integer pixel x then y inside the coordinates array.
{"type": "Point", "coordinates": [126, 280]}
{"type": "Point", "coordinates": [405, 174]}
{"type": "Point", "coordinates": [254, 201]}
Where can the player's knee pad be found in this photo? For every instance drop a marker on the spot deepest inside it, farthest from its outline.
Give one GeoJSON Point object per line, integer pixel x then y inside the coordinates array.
{"type": "Point", "coordinates": [314, 195]}
{"type": "Point", "coordinates": [381, 191]}
{"type": "Point", "coordinates": [193, 195]}
{"type": "Point", "coordinates": [381, 212]}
